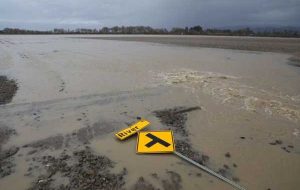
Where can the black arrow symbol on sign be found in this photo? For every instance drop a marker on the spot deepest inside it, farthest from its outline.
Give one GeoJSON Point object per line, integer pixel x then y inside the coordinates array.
{"type": "Point", "coordinates": [155, 140]}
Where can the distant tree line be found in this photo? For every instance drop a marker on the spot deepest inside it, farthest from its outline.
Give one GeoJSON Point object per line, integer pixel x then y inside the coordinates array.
{"type": "Point", "coordinates": [195, 30]}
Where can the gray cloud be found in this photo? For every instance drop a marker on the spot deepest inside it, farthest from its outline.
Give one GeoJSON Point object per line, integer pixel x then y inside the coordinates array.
{"type": "Point", "coordinates": [45, 14]}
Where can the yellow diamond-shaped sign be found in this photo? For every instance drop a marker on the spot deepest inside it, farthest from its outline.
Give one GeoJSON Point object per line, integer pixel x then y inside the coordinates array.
{"type": "Point", "coordinates": [155, 142]}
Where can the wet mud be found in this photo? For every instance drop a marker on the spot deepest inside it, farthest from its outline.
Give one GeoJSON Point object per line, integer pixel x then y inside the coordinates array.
{"type": "Point", "coordinates": [5, 134]}
{"type": "Point", "coordinates": [8, 88]}
{"type": "Point", "coordinates": [143, 184]}
{"type": "Point", "coordinates": [83, 170]}
{"type": "Point", "coordinates": [7, 164]}
{"type": "Point", "coordinates": [172, 181]}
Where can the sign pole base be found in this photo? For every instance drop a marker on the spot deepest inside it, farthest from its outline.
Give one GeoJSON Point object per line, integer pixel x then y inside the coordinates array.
{"type": "Point", "coordinates": [237, 186]}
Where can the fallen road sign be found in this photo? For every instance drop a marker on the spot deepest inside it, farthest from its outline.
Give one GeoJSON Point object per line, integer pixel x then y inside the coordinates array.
{"type": "Point", "coordinates": [155, 142]}
{"type": "Point", "coordinates": [125, 133]}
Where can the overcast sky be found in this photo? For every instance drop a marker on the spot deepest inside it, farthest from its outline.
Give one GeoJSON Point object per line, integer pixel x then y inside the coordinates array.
{"type": "Point", "coordinates": [47, 14]}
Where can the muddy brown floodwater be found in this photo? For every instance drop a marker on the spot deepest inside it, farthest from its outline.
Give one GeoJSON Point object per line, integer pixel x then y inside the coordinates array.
{"type": "Point", "coordinates": [235, 110]}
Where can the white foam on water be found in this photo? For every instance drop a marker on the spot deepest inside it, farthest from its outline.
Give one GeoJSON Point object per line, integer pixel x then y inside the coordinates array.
{"type": "Point", "coordinates": [229, 90]}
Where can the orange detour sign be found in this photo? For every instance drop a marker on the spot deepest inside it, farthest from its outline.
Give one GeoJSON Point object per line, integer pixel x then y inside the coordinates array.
{"type": "Point", "coordinates": [155, 142]}
{"type": "Point", "coordinates": [132, 129]}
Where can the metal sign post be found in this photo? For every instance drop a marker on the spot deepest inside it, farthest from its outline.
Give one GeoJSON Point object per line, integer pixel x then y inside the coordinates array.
{"type": "Point", "coordinates": [209, 171]}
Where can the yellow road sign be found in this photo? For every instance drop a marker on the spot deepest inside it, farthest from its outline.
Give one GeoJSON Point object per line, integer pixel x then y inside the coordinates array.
{"type": "Point", "coordinates": [155, 142]}
{"type": "Point", "coordinates": [132, 129]}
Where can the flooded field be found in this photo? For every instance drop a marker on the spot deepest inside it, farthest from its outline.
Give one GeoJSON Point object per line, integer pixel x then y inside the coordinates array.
{"type": "Point", "coordinates": [75, 92]}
